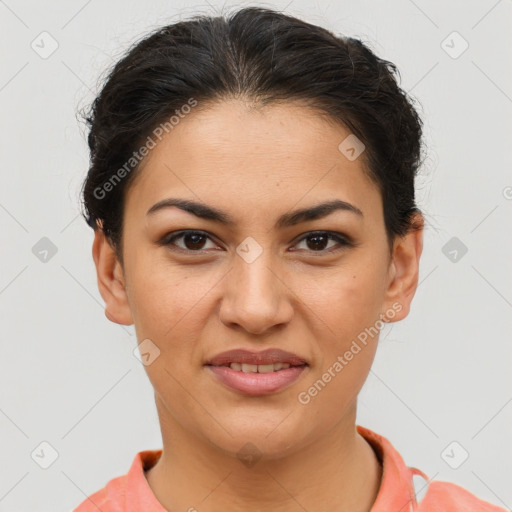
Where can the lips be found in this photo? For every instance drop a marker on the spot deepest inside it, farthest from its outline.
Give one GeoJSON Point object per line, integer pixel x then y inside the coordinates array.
{"type": "Point", "coordinates": [257, 373]}
{"type": "Point", "coordinates": [266, 357]}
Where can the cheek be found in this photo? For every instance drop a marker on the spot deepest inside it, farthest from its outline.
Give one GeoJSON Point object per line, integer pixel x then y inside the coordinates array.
{"type": "Point", "coordinates": [347, 299]}
{"type": "Point", "coordinates": [167, 309]}
{"type": "Point", "coordinates": [347, 306]}
{"type": "Point", "coordinates": [171, 306]}
{"type": "Point", "coordinates": [159, 293]}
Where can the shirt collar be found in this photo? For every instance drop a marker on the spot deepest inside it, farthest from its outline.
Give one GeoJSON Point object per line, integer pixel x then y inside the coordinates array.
{"type": "Point", "coordinates": [396, 492]}
{"type": "Point", "coordinates": [139, 495]}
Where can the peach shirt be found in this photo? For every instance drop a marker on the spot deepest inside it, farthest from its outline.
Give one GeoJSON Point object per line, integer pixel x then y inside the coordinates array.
{"type": "Point", "coordinates": [131, 492]}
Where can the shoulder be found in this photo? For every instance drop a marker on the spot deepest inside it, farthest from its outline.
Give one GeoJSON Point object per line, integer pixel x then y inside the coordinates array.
{"type": "Point", "coordinates": [109, 499]}
{"type": "Point", "coordinates": [399, 489]}
{"type": "Point", "coordinates": [126, 492]}
{"type": "Point", "coordinates": [449, 497]}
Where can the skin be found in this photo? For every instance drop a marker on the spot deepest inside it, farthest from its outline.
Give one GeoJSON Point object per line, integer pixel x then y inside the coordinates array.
{"type": "Point", "coordinates": [256, 164]}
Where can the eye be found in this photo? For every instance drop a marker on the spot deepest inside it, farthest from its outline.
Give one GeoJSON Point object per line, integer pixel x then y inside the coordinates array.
{"type": "Point", "coordinates": [196, 241]}
{"type": "Point", "coordinates": [320, 239]}
{"type": "Point", "coordinates": [193, 241]}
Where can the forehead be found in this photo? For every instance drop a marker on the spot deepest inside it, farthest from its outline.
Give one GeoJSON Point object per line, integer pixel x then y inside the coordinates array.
{"type": "Point", "coordinates": [264, 159]}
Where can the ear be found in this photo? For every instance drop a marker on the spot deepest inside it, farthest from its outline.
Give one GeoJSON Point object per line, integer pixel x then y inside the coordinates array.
{"type": "Point", "coordinates": [404, 272]}
{"type": "Point", "coordinates": [111, 281]}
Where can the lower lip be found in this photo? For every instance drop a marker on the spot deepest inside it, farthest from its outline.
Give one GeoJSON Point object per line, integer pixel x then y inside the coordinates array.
{"type": "Point", "coordinates": [253, 383]}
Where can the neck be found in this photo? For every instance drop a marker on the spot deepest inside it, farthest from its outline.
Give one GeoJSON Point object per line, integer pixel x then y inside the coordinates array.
{"type": "Point", "coordinates": [340, 471]}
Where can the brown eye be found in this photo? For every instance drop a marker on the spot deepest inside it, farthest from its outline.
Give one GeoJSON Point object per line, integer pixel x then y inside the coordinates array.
{"type": "Point", "coordinates": [193, 241]}
{"type": "Point", "coordinates": [318, 241]}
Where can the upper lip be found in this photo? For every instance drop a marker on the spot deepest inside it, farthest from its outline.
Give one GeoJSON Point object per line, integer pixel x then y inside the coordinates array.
{"type": "Point", "coordinates": [269, 356]}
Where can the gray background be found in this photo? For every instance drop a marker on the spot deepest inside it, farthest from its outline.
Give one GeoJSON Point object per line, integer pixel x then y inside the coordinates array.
{"type": "Point", "coordinates": [68, 377]}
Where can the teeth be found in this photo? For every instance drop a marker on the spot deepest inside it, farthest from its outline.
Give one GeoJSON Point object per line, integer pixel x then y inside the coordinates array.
{"type": "Point", "coordinates": [265, 368]}
{"type": "Point", "coordinates": [259, 368]}
{"type": "Point", "coordinates": [248, 368]}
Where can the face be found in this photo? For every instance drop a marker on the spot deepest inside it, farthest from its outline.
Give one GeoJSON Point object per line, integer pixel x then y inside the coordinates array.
{"type": "Point", "coordinates": [314, 286]}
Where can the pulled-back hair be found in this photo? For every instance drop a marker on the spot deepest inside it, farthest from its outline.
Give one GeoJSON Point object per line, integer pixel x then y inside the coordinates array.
{"type": "Point", "coordinates": [261, 56]}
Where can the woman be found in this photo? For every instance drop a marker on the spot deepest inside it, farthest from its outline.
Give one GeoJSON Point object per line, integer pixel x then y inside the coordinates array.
{"type": "Point", "coordinates": [251, 189]}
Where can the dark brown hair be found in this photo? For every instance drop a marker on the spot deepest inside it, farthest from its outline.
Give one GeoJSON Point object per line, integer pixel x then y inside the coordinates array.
{"type": "Point", "coordinates": [263, 56]}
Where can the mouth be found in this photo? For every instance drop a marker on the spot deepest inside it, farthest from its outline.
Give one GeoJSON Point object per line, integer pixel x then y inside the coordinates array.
{"type": "Point", "coordinates": [257, 373]}
{"type": "Point", "coordinates": [266, 361]}
{"type": "Point", "coordinates": [257, 368]}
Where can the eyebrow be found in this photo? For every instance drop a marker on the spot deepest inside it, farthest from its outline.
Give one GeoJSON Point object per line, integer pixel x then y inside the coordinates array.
{"type": "Point", "coordinates": [204, 211]}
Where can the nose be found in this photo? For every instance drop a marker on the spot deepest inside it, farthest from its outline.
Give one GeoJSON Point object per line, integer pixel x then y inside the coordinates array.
{"type": "Point", "coordinates": [256, 296]}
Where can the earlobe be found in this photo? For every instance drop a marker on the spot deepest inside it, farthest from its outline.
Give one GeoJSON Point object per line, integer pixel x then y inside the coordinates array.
{"type": "Point", "coordinates": [404, 273]}
{"type": "Point", "coordinates": [111, 280]}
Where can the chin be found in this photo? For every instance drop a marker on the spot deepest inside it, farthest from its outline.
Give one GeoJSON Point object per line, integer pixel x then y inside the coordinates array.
{"type": "Point", "coordinates": [270, 438]}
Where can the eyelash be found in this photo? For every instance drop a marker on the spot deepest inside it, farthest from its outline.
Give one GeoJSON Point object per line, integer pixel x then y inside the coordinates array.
{"type": "Point", "coordinates": [344, 241]}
